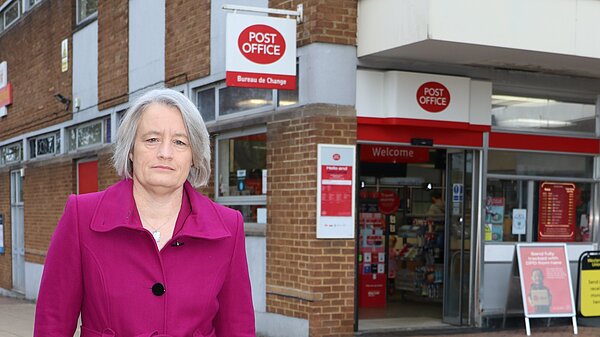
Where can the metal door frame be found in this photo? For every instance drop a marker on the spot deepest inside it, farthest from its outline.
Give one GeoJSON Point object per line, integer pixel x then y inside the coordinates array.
{"type": "Point", "coordinates": [18, 231]}
{"type": "Point", "coordinates": [475, 213]}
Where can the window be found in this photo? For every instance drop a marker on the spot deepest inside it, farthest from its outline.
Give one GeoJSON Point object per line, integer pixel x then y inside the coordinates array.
{"type": "Point", "coordinates": [11, 14]}
{"type": "Point", "coordinates": [89, 134]}
{"type": "Point", "coordinates": [554, 194]}
{"type": "Point", "coordinates": [206, 104]}
{"type": "Point", "coordinates": [86, 9]}
{"type": "Point", "coordinates": [217, 100]}
{"type": "Point", "coordinates": [44, 145]}
{"type": "Point", "coordinates": [552, 215]}
{"type": "Point", "coordinates": [539, 164]}
{"type": "Point", "coordinates": [542, 115]}
{"type": "Point", "coordinates": [242, 174]}
{"type": "Point", "coordinates": [28, 4]}
{"type": "Point", "coordinates": [11, 153]}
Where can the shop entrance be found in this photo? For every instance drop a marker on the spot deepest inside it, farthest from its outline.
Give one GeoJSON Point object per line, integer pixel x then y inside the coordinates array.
{"type": "Point", "coordinates": [414, 241]}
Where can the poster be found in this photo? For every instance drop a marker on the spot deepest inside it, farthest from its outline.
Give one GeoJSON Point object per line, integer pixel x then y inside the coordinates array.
{"type": "Point", "coordinates": [545, 280]}
{"type": "Point", "coordinates": [557, 212]}
{"type": "Point", "coordinates": [335, 191]}
{"type": "Point", "coordinates": [494, 219]}
{"type": "Point", "coordinates": [372, 277]}
{"type": "Point", "coordinates": [519, 221]}
{"type": "Point", "coordinates": [589, 283]}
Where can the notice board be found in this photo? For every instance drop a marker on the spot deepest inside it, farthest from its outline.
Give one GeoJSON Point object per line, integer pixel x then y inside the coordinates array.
{"type": "Point", "coordinates": [557, 212]}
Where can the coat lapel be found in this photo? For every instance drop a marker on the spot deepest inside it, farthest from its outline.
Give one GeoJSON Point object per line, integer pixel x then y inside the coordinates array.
{"type": "Point", "coordinates": [116, 209]}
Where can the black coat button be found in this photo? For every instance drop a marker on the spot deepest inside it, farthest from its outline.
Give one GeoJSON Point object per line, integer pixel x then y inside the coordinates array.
{"type": "Point", "coordinates": [158, 289]}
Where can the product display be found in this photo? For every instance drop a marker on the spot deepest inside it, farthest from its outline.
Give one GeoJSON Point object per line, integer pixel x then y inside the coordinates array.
{"type": "Point", "coordinates": [420, 259]}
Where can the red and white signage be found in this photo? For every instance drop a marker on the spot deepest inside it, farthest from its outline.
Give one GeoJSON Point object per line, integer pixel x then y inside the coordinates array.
{"type": "Point", "coordinates": [393, 154]}
{"type": "Point", "coordinates": [389, 202]}
{"type": "Point", "coordinates": [433, 97]}
{"type": "Point", "coordinates": [545, 280]}
{"type": "Point", "coordinates": [260, 52]}
{"type": "Point", "coordinates": [5, 89]}
{"type": "Point", "coordinates": [335, 191]}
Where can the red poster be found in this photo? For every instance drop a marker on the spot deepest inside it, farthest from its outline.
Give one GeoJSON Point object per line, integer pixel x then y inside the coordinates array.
{"type": "Point", "coordinates": [545, 280]}
{"type": "Point", "coordinates": [388, 202]}
{"type": "Point", "coordinates": [557, 212]}
{"type": "Point", "coordinates": [393, 154]}
{"type": "Point", "coordinates": [336, 190]}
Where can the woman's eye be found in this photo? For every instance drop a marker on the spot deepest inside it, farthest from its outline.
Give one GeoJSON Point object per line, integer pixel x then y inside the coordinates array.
{"type": "Point", "coordinates": [180, 143]}
{"type": "Point", "coordinates": [152, 140]}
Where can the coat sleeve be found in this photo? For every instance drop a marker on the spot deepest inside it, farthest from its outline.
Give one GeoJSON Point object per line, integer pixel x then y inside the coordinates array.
{"type": "Point", "coordinates": [236, 312]}
{"type": "Point", "coordinates": [60, 297]}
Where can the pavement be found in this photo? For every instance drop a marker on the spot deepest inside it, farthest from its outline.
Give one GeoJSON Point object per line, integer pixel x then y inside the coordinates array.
{"type": "Point", "coordinates": [16, 320]}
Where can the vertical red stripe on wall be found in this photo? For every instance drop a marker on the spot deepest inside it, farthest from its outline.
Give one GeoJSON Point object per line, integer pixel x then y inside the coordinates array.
{"type": "Point", "coordinates": [87, 173]}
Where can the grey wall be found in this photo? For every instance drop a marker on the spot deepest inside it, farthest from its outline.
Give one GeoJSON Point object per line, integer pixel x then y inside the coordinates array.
{"type": "Point", "coordinates": [327, 74]}
{"type": "Point", "coordinates": [85, 67]}
{"type": "Point", "coordinates": [146, 43]}
{"type": "Point", "coordinates": [217, 30]}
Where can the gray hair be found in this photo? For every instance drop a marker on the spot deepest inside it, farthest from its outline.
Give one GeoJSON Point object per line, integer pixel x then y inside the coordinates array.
{"type": "Point", "coordinates": [194, 125]}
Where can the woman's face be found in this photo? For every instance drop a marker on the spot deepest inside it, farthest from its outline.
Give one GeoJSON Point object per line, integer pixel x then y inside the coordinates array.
{"type": "Point", "coordinates": [161, 155]}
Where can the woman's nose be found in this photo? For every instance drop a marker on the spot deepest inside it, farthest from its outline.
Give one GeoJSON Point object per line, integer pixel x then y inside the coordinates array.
{"type": "Point", "coordinates": [165, 150]}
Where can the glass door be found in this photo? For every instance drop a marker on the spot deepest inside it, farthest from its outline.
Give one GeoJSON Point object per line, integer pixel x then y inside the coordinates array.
{"type": "Point", "coordinates": [460, 215]}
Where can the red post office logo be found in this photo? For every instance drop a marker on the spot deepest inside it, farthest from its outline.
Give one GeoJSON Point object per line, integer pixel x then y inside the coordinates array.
{"type": "Point", "coordinates": [433, 97]}
{"type": "Point", "coordinates": [261, 44]}
{"type": "Point", "coordinates": [336, 156]}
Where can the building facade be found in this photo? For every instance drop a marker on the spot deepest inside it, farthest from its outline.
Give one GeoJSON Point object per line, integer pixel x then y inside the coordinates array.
{"type": "Point", "coordinates": [461, 113]}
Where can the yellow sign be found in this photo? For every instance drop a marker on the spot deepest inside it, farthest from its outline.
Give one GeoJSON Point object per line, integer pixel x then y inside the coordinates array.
{"type": "Point", "coordinates": [590, 292]}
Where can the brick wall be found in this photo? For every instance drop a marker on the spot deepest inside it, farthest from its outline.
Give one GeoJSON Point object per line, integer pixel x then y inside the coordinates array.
{"type": "Point", "coordinates": [331, 21]}
{"type": "Point", "coordinates": [106, 172]}
{"type": "Point", "coordinates": [32, 50]}
{"type": "Point", "coordinates": [307, 278]}
{"type": "Point", "coordinates": [46, 187]}
{"type": "Point", "coordinates": [113, 53]}
{"type": "Point", "coordinates": [6, 258]}
{"type": "Point", "coordinates": [187, 45]}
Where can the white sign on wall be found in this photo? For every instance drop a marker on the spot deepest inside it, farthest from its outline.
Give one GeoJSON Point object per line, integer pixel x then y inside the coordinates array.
{"type": "Point", "coordinates": [4, 90]}
{"type": "Point", "coordinates": [335, 191]}
{"type": "Point", "coordinates": [260, 52]}
{"type": "Point", "coordinates": [519, 222]}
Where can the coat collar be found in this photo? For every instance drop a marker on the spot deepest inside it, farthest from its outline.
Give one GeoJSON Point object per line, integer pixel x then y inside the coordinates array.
{"type": "Point", "coordinates": [116, 209]}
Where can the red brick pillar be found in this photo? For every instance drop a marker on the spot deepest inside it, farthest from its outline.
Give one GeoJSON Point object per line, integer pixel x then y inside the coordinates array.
{"type": "Point", "coordinates": [306, 278]}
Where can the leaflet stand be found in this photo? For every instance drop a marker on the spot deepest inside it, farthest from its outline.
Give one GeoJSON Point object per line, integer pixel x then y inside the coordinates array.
{"type": "Point", "coordinates": [546, 288]}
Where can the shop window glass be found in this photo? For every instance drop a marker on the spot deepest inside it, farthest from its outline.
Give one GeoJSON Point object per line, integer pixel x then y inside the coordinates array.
{"type": "Point", "coordinates": [539, 164]}
{"type": "Point", "coordinates": [242, 175]}
{"type": "Point", "coordinates": [555, 211]}
{"type": "Point", "coordinates": [544, 115]}
{"type": "Point", "coordinates": [242, 165]}
{"type": "Point", "coordinates": [206, 104]}
{"type": "Point", "coordinates": [234, 99]}
{"type": "Point", "coordinates": [11, 153]}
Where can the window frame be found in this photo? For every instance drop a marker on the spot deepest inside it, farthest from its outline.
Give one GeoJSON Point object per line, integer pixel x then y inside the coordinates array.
{"type": "Point", "coordinates": [57, 145]}
{"type": "Point", "coordinates": [28, 7]}
{"type": "Point", "coordinates": [3, 161]}
{"type": "Point", "coordinates": [5, 9]}
{"type": "Point", "coordinates": [104, 128]}
{"type": "Point", "coordinates": [89, 18]}
{"type": "Point", "coordinates": [258, 200]}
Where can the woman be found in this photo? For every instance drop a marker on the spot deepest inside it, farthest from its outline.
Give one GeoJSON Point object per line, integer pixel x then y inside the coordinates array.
{"type": "Point", "coordinates": [149, 256]}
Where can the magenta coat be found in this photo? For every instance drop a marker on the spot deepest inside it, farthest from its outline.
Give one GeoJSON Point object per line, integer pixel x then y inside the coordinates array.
{"type": "Point", "coordinates": [102, 263]}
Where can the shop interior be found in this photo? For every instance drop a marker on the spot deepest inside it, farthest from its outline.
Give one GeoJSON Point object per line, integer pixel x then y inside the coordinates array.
{"type": "Point", "coordinates": [401, 238]}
